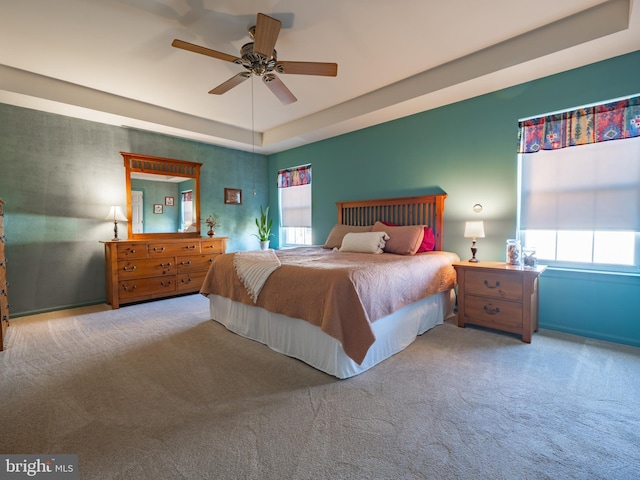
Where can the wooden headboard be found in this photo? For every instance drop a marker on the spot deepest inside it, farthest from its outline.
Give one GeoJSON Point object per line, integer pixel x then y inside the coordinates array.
{"type": "Point", "coordinates": [422, 210]}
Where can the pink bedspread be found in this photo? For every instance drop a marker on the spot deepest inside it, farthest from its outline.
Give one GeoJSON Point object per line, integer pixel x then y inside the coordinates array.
{"type": "Point", "coordinates": [342, 293]}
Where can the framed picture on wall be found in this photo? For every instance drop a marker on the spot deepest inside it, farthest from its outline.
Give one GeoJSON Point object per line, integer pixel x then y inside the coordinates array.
{"type": "Point", "coordinates": [168, 201]}
{"type": "Point", "coordinates": [233, 196]}
{"type": "Point", "coordinates": [158, 208]}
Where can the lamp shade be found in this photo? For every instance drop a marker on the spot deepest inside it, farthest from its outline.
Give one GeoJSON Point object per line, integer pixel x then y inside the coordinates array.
{"type": "Point", "coordinates": [474, 229]}
{"type": "Point", "coordinates": [115, 214]}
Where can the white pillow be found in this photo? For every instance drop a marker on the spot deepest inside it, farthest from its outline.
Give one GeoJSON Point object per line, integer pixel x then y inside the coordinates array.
{"type": "Point", "coordinates": [365, 242]}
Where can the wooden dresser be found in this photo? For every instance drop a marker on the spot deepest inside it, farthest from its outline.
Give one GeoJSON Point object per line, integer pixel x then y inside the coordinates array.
{"type": "Point", "coordinates": [4, 284]}
{"type": "Point", "coordinates": [146, 269]}
{"type": "Point", "coordinates": [499, 296]}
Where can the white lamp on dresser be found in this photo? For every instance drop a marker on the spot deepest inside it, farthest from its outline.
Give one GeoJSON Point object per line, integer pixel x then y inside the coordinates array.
{"type": "Point", "coordinates": [115, 215]}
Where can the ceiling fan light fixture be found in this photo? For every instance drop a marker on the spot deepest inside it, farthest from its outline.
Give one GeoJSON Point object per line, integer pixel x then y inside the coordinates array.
{"type": "Point", "coordinates": [255, 62]}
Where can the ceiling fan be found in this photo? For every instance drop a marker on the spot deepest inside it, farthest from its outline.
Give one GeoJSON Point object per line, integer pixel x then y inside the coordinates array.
{"type": "Point", "coordinates": [260, 58]}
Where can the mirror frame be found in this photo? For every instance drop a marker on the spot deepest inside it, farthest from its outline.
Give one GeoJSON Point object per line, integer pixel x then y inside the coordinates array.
{"type": "Point", "coordinates": [134, 162]}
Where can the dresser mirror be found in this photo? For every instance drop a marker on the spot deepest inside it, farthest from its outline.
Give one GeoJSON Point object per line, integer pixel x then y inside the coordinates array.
{"type": "Point", "coordinates": [163, 197]}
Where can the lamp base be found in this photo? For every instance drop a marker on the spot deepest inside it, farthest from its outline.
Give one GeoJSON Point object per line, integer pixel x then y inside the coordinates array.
{"type": "Point", "coordinates": [473, 258]}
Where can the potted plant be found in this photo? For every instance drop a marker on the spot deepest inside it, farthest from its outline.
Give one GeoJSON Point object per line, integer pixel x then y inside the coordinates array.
{"type": "Point", "coordinates": [264, 224]}
{"type": "Point", "coordinates": [212, 221]}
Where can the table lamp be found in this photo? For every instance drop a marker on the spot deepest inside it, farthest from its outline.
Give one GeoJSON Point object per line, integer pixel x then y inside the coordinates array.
{"type": "Point", "coordinates": [115, 215]}
{"type": "Point", "coordinates": [473, 230]}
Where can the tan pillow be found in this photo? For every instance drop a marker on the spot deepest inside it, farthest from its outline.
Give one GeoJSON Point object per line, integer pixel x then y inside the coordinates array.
{"type": "Point", "coordinates": [334, 240]}
{"type": "Point", "coordinates": [364, 242]}
{"type": "Point", "coordinates": [403, 240]}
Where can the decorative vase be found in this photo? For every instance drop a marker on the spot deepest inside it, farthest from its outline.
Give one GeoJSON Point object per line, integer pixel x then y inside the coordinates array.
{"type": "Point", "coordinates": [514, 251]}
{"type": "Point", "coordinates": [211, 233]}
{"type": "Point", "coordinates": [264, 244]}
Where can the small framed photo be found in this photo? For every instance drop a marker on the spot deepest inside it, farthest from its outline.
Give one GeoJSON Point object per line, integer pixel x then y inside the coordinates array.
{"type": "Point", "coordinates": [168, 201]}
{"type": "Point", "coordinates": [233, 196]}
{"type": "Point", "coordinates": [158, 208]}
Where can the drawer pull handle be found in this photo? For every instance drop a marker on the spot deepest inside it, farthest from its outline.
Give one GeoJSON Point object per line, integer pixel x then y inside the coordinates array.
{"type": "Point", "coordinates": [486, 284]}
{"type": "Point", "coordinates": [491, 310]}
{"type": "Point", "coordinates": [126, 287]}
{"type": "Point", "coordinates": [190, 247]}
{"type": "Point", "coordinates": [166, 284]}
{"type": "Point", "coordinates": [129, 269]}
{"type": "Point", "coordinates": [156, 249]}
{"type": "Point", "coordinates": [187, 280]}
{"type": "Point", "coordinates": [165, 264]}
{"type": "Point", "coordinates": [133, 250]}
{"type": "Point", "coordinates": [185, 263]}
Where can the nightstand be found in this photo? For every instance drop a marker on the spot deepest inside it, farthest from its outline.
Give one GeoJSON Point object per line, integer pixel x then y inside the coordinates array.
{"type": "Point", "coordinates": [499, 296]}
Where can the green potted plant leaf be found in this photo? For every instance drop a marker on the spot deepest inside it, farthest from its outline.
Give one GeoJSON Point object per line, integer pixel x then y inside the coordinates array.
{"type": "Point", "coordinates": [264, 224]}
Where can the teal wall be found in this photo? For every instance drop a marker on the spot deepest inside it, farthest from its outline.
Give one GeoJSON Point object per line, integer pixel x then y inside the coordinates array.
{"type": "Point", "coordinates": [467, 150]}
{"type": "Point", "coordinates": [58, 177]}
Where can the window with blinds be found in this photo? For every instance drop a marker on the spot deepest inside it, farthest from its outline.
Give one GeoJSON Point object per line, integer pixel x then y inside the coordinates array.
{"type": "Point", "coordinates": [294, 188]}
{"type": "Point", "coordinates": [579, 186]}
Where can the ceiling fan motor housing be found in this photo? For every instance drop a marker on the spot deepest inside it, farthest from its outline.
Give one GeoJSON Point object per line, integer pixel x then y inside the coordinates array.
{"type": "Point", "coordinates": [256, 63]}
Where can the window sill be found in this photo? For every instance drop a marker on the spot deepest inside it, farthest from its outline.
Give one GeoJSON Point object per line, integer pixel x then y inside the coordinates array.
{"type": "Point", "coordinates": [599, 275]}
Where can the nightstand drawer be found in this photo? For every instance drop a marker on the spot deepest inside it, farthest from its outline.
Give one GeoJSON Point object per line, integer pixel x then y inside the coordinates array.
{"type": "Point", "coordinates": [494, 284]}
{"type": "Point", "coordinates": [493, 313]}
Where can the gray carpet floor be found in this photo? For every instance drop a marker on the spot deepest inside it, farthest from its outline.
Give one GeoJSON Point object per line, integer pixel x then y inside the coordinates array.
{"type": "Point", "coordinates": [159, 391]}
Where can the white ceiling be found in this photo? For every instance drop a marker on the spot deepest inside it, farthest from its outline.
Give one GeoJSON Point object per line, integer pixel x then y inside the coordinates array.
{"type": "Point", "coordinates": [111, 60]}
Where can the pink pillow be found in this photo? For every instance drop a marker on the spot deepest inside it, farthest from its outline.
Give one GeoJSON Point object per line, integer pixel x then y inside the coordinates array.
{"type": "Point", "coordinates": [428, 241]}
{"type": "Point", "coordinates": [403, 240]}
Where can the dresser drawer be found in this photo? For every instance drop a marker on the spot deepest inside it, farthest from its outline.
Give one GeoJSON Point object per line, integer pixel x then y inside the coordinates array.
{"type": "Point", "coordinates": [190, 281]}
{"type": "Point", "coordinates": [146, 267]}
{"type": "Point", "coordinates": [131, 251]}
{"type": "Point", "coordinates": [493, 284]}
{"type": "Point", "coordinates": [213, 246]}
{"type": "Point", "coordinates": [166, 249]}
{"type": "Point", "coordinates": [147, 286]}
{"type": "Point", "coordinates": [493, 312]}
{"type": "Point", "coordinates": [193, 263]}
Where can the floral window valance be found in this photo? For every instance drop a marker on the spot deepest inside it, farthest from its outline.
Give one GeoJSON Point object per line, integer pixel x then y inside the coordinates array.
{"type": "Point", "coordinates": [598, 123]}
{"type": "Point", "coordinates": [294, 176]}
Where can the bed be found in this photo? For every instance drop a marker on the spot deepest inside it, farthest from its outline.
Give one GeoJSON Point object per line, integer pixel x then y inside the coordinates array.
{"type": "Point", "coordinates": [380, 280]}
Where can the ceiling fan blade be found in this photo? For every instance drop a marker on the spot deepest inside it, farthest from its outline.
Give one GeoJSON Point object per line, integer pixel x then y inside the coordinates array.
{"type": "Point", "coordinates": [267, 30]}
{"type": "Point", "coordinates": [205, 51]}
{"type": "Point", "coordinates": [279, 89]}
{"type": "Point", "coordinates": [229, 84]}
{"type": "Point", "coordinates": [308, 68]}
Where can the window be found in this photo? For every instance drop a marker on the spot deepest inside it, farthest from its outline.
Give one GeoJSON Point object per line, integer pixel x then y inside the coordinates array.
{"type": "Point", "coordinates": [579, 186]}
{"type": "Point", "coordinates": [294, 188]}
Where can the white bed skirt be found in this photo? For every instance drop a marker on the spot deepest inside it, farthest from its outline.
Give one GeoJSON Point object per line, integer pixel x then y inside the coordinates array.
{"type": "Point", "coordinates": [299, 339]}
